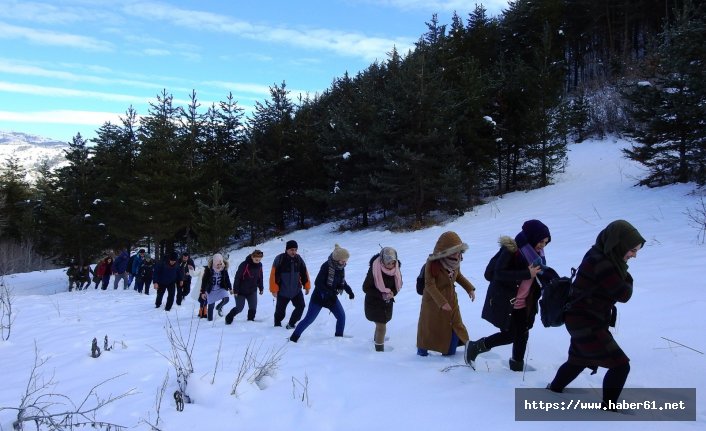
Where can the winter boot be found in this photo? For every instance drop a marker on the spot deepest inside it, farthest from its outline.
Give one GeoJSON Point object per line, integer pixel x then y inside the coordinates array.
{"type": "Point", "coordinates": [379, 347]}
{"type": "Point", "coordinates": [229, 317]}
{"type": "Point", "coordinates": [517, 365]}
{"type": "Point", "coordinates": [473, 349]}
{"type": "Point", "coordinates": [251, 315]}
{"type": "Point", "coordinates": [294, 338]}
{"type": "Point", "coordinates": [290, 326]}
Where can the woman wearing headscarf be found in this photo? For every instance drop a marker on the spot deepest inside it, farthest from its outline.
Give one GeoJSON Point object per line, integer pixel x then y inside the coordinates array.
{"type": "Point", "coordinates": [382, 283]}
{"type": "Point", "coordinates": [511, 301]}
{"type": "Point", "coordinates": [602, 280]}
{"type": "Point", "coordinates": [440, 327]}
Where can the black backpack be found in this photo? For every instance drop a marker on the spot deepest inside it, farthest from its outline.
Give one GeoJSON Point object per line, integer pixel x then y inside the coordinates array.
{"type": "Point", "coordinates": [420, 280]}
{"type": "Point", "coordinates": [555, 301]}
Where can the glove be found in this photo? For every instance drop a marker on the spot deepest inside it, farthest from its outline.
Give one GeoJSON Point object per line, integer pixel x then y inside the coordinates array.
{"type": "Point", "coordinates": [261, 291]}
{"type": "Point", "coordinates": [351, 295]}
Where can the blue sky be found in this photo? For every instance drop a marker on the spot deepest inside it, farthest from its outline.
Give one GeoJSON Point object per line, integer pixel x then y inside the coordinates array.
{"type": "Point", "coordinates": [69, 66]}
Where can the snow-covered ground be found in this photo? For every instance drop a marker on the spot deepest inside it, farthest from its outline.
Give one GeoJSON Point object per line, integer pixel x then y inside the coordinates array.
{"type": "Point", "coordinates": [327, 383]}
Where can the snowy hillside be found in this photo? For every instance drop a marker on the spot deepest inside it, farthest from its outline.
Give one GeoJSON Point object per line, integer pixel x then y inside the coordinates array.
{"type": "Point", "coordinates": [31, 150]}
{"type": "Point", "coordinates": [328, 383]}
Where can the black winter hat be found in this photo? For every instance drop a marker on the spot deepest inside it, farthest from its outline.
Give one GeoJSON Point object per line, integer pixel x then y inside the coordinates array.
{"type": "Point", "coordinates": [173, 256]}
{"type": "Point", "coordinates": [291, 244]}
{"type": "Point", "coordinates": [535, 231]}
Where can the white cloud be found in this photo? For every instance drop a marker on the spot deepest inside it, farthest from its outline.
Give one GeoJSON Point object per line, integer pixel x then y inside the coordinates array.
{"type": "Point", "coordinates": [87, 118]}
{"type": "Point", "coordinates": [153, 52]}
{"type": "Point", "coordinates": [52, 38]}
{"type": "Point", "coordinates": [39, 90]}
{"type": "Point", "coordinates": [342, 43]}
{"type": "Point", "coordinates": [462, 7]}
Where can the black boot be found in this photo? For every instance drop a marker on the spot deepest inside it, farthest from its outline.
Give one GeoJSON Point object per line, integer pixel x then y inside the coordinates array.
{"type": "Point", "coordinates": [473, 349]}
{"type": "Point", "coordinates": [251, 315]}
{"type": "Point", "coordinates": [379, 347]}
{"type": "Point", "coordinates": [517, 365]}
{"type": "Point", "coordinates": [229, 317]}
{"type": "Point", "coordinates": [294, 338]}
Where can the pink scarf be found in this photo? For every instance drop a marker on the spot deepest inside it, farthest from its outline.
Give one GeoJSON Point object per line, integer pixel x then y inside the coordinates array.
{"type": "Point", "coordinates": [378, 270]}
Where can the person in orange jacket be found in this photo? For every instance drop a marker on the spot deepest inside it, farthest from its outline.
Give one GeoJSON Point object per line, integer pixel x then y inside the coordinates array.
{"type": "Point", "coordinates": [287, 279]}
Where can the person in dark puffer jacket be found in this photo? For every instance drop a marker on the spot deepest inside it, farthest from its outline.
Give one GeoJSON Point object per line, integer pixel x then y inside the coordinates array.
{"type": "Point", "coordinates": [602, 280]}
{"type": "Point", "coordinates": [382, 283]}
{"type": "Point", "coordinates": [329, 283]}
{"type": "Point", "coordinates": [248, 281]}
{"type": "Point", "coordinates": [511, 301]}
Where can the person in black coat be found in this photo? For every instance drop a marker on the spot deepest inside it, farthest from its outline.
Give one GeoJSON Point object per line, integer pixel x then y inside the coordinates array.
{"type": "Point", "coordinates": [511, 301]}
{"type": "Point", "coordinates": [166, 278]}
{"type": "Point", "coordinates": [144, 275]}
{"type": "Point", "coordinates": [186, 266]}
{"type": "Point", "coordinates": [382, 283]}
{"type": "Point", "coordinates": [329, 283]}
{"type": "Point", "coordinates": [602, 280]}
{"type": "Point", "coordinates": [247, 283]}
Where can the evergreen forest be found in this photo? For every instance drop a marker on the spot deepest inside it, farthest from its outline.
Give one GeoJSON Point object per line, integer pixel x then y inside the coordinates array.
{"type": "Point", "coordinates": [480, 107]}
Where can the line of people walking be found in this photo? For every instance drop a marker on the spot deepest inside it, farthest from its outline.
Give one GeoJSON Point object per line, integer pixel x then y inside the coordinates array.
{"type": "Point", "coordinates": [515, 274]}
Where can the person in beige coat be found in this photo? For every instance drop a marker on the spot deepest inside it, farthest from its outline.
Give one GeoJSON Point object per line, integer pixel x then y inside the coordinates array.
{"type": "Point", "coordinates": [440, 326]}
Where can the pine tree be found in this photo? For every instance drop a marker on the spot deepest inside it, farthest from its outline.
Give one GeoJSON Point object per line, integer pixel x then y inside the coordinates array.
{"type": "Point", "coordinates": [158, 174]}
{"type": "Point", "coordinates": [68, 229]}
{"type": "Point", "coordinates": [16, 196]}
{"type": "Point", "coordinates": [216, 221]}
{"type": "Point", "coordinates": [670, 133]}
{"type": "Point", "coordinates": [275, 154]}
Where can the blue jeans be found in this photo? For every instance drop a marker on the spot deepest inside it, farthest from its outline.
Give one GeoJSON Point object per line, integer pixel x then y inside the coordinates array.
{"type": "Point", "coordinates": [313, 311]}
{"type": "Point", "coordinates": [450, 352]}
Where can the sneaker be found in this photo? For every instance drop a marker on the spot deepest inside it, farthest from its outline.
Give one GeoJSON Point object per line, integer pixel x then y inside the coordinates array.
{"type": "Point", "coordinates": [220, 312]}
{"type": "Point", "coordinates": [290, 326]}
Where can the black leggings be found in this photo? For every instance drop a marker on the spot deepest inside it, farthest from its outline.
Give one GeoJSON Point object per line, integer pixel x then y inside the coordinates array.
{"type": "Point", "coordinates": [517, 334]}
{"type": "Point", "coordinates": [613, 382]}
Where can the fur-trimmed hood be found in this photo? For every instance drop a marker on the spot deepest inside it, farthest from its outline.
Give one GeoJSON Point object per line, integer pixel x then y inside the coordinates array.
{"type": "Point", "coordinates": [508, 242]}
{"type": "Point", "coordinates": [447, 244]}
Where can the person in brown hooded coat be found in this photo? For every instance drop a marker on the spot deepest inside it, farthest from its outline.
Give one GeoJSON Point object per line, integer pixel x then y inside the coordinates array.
{"type": "Point", "coordinates": [440, 327]}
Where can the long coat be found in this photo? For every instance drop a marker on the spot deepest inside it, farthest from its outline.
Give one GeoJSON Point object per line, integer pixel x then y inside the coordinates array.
{"type": "Point", "coordinates": [435, 325]}
{"type": "Point", "coordinates": [509, 270]}
{"type": "Point", "coordinates": [592, 344]}
{"type": "Point", "coordinates": [376, 308]}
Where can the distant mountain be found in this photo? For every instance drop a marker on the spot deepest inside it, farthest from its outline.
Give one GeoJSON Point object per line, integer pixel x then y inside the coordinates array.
{"type": "Point", "coordinates": [31, 150]}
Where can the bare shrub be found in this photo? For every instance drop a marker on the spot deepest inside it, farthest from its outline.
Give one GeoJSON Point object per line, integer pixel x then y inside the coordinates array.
{"type": "Point", "coordinates": [181, 355]}
{"type": "Point", "coordinates": [157, 405]}
{"type": "Point", "coordinates": [697, 219]}
{"type": "Point", "coordinates": [255, 367]}
{"type": "Point", "coordinates": [6, 317]}
{"type": "Point", "coordinates": [49, 409]}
